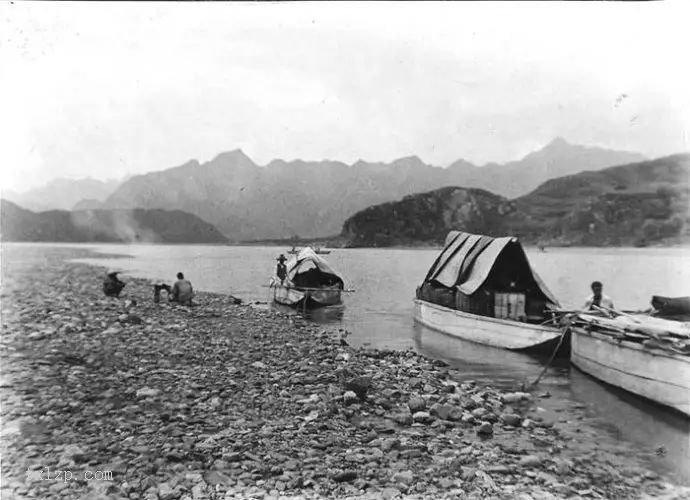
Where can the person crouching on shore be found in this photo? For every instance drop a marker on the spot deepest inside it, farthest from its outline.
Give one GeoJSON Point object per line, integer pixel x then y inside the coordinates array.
{"type": "Point", "coordinates": [182, 291]}
{"type": "Point", "coordinates": [112, 286]}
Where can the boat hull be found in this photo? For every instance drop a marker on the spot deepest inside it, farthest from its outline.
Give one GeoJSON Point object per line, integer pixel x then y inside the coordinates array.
{"type": "Point", "coordinates": [494, 332]}
{"type": "Point", "coordinates": [311, 299]}
{"type": "Point", "coordinates": [653, 374]}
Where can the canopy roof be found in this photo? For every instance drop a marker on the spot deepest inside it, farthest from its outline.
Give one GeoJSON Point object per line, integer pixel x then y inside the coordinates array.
{"type": "Point", "coordinates": [467, 261]}
{"type": "Point", "coordinates": [307, 259]}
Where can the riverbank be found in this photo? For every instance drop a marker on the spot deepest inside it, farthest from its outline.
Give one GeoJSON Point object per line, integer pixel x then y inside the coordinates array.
{"type": "Point", "coordinates": [228, 401]}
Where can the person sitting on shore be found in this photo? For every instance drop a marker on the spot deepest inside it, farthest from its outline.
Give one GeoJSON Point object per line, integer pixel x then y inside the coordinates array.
{"type": "Point", "coordinates": [182, 291]}
{"type": "Point", "coordinates": [112, 286]}
{"type": "Point", "coordinates": [281, 268]}
{"type": "Point", "coordinates": [598, 299]}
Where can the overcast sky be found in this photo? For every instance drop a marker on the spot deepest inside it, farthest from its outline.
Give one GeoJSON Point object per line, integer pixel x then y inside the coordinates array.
{"type": "Point", "coordinates": [105, 90]}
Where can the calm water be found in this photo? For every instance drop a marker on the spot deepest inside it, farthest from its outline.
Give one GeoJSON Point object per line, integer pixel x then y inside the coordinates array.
{"type": "Point", "coordinates": [379, 314]}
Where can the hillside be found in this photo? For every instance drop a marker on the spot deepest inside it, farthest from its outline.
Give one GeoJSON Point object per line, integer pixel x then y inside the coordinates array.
{"type": "Point", "coordinates": [637, 204]}
{"type": "Point", "coordinates": [313, 199]}
{"type": "Point", "coordinates": [427, 217]}
{"type": "Point", "coordinates": [130, 226]}
{"type": "Point", "coordinates": [641, 203]}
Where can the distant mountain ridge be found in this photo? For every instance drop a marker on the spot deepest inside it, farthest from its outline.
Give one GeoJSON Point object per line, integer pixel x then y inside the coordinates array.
{"type": "Point", "coordinates": [314, 198]}
{"type": "Point", "coordinates": [556, 159]}
{"type": "Point", "coordinates": [637, 204]}
{"type": "Point", "coordinates": [62, 194]}
{"type": "Point", "coordinates": [127, 226]}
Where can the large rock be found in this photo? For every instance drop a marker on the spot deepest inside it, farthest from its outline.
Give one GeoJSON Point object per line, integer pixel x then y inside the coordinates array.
{"type": "Point", "coordinates": [441, 410]}
{"type": "Point", "coordinates": [404, 477]}
{"type": "Point", "coordinates": [422, 417]}
{"type": "Point", "coordinates": [515, 397]}
{"type": "Point", "coordinates": [350, 398]}
{"type": "Point", "coordinates": [511, 419]}
{"type": "Point", "coordinates": [485, 429]}
{"type": "Point", "coordinates": [531, 461]}
{"type": "Point", "coordinates": [344, 476]}
{"type": "Point", "coordinates": [359, 385]}
{"type": "Point", "coordinates": [416, 404]}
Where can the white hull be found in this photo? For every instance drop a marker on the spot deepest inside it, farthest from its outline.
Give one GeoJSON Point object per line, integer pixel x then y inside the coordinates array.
{"type": "Point", "coordinates": [494, 332]}
{"type": "Point", "coordinates": [316, 298]}
{"type": "Point", "coordinates": [656, 375]}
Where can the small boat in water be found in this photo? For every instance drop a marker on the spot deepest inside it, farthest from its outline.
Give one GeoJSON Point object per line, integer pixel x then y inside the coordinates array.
{"type": "Point", "coordinates": [642, 354]}
{"type": "Point", "coordinates": [322, 251]}
{"type": "Point", "coordinates": [483, 289]}
{"type": "Point", "coordinates": [310, 283]}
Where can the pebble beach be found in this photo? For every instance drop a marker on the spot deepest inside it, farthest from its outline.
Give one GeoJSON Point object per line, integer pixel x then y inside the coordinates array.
{"type": "Point", "coordinates": [223, 400]}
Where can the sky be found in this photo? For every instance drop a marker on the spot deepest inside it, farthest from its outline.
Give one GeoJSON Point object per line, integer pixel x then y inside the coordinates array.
{"type": "Point", "coordinates": [105, 90]}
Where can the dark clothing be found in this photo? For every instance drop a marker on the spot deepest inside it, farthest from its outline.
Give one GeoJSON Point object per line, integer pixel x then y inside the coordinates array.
{"type": "Point", "coordinates": [281, 271]}
{"type": "Point", "coordinates": [112, 286]}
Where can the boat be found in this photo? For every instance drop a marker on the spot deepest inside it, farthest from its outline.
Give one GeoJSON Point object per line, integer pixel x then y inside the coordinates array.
{"type": "Point", "coordinates": [322, 251]}
{"type": "Point", "coordinates": [676, 308]}
{"type": "Point", "coordinates": [642, 354]}
{"type": "Point", "coordinates": [311, 282]}
{"type": "Point", "coordinates": [483, 289]}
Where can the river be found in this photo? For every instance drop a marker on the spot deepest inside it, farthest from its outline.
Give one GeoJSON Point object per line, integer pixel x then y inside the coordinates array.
{"type": "Point", "coordinates": [379, 314]}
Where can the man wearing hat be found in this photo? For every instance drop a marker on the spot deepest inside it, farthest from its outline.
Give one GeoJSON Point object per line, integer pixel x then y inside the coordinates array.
{"type": "Point", "coordinates": [281, 269]}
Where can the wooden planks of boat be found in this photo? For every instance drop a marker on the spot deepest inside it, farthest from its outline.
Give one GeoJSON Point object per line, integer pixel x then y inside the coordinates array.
{"type": "Point", "coordinates": [658, 375]}
{"type": "Point", "coordinates": [310, 298]}
{"type": "Point", "coordinates": [506, 334]}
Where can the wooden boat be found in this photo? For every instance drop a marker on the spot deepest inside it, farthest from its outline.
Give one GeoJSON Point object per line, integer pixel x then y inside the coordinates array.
{"type": "Point", "coordinates": [483, 289]}
{"type": "Point", "coordinates": [634, 353]}
{"type": "Point", "coordinates": [676, 308]}
{"type": "Point", "coordinates": [322, 251]}
{"type": "Point", "coordinates": [494, 332]}
{"type": "Point", "coordinates": [311, 282]}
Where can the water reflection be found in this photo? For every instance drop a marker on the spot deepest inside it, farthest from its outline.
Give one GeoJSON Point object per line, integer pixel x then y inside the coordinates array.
{"type": "Point", "coordinates": [663, 434]}
{"type": "Point", "coordinates": [322, 315]}
{"type": "Point", "coordinates": [484, 363]}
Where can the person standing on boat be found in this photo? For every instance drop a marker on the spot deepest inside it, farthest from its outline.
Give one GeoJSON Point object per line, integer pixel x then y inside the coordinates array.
{"type": "Point", "coordinates": [281, 268]}
{"type": "Point", "coordinates": [598, 298]}
{"type": "Point", "coordinates": [182, 291]}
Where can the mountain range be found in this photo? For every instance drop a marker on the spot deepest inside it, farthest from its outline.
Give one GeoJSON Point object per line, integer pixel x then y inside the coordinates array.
{"type": "Point", "coordinates": [313, 198]}
{"type": "Point", "coordinates": [127, 226]}
{"type": "Point", "coordinates": [63, 194]}
{"type": "Point", "coordinates": [641, 203]}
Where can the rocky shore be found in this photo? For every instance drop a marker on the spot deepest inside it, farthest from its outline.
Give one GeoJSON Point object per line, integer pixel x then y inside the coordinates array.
{"type": "Point", "coordinates": [222, 400]}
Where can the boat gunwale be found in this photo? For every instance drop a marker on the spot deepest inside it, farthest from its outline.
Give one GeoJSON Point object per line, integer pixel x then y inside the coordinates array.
{"type": "Point", "coordinates": [629, 344]}
{"type": "Point", "coordinates": [505, 322]}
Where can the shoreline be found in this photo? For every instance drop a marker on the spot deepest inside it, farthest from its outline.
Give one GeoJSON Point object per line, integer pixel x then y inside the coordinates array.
{"type": "Point", "coordinates": [675, 246]}
{"type": "Point", "coordinates": [230, 401]}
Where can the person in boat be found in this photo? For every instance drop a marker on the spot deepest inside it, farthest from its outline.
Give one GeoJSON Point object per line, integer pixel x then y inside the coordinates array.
{"type": "Point", "coordinates": [598, 298]}
{"type": "Point", "coordinates": [182, 291]}
{"type": "Point", "coordinates": [281, 268]}
{"type": "Point", "coordinates": [112, 286]}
